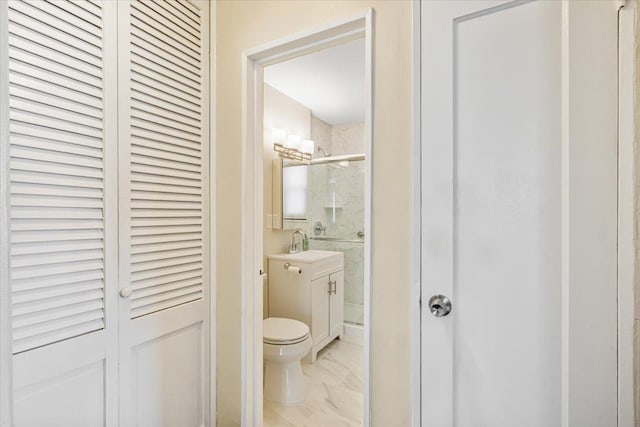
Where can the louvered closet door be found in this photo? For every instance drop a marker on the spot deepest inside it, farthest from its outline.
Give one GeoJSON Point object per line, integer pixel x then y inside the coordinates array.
{"type": "Point", "coordinates": [163, 87]}
{"type": "Point", "coordinates": [62, 211]}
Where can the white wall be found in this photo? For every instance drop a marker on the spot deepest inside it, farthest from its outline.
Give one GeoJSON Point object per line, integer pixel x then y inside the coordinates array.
{"type": "Point", "coordinates": [283, 112]}
{"type": "Point", "coordinates": [245, 24]}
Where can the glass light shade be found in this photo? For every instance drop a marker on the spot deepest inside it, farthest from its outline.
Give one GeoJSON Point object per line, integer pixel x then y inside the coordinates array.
{"type": "Point", "coordinates": [307, 146]}
{"type": "Point", "coordinates": [294, 141]}
{"type": "Point", "coordinates": [278, 135]}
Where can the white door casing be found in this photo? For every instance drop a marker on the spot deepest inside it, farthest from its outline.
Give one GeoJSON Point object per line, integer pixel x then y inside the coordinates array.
{"type": "Point", "coordinates": [164, 223]}
{"type": "Point", "coordinates": [627, 216]}
{"type": "Point", "coordinates": [62, 117]}
{"type": "Point", "coordinates": [253, 62]}
{"type": "Point", "coordinates": [519, 211]}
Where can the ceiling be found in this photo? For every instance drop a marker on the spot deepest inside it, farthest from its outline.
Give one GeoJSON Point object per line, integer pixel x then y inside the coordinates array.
{"type": "Point", "coordinates": [329, 82]}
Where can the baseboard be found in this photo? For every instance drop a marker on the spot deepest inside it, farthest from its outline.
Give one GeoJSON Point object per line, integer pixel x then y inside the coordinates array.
{"type": "Point", "coordinates": [353, 334]}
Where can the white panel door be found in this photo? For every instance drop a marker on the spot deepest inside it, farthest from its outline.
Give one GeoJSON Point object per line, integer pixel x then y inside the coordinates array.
{"type": "Point", "coordinates": [519, 213]}
{"type": "Point", "coordinates": [62, 128]}
{"type": "Point", "coordinates": [163, 147]}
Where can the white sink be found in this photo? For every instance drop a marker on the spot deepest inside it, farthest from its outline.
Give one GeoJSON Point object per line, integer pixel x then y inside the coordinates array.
{"type": "Point", "coordinates": [305, 256]}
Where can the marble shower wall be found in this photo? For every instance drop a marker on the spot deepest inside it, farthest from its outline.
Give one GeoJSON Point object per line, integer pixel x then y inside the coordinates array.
{"type": "Point", "coordinates": [347, 138]}
{"type": "Point", "coordinates": [321, 135]}
{"type": "Point", "coordinates": [337, 200]}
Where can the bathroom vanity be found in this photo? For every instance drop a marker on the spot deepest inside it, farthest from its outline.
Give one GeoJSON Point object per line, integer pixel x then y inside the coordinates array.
{"type": "Point", "coordinates": [309, 287]}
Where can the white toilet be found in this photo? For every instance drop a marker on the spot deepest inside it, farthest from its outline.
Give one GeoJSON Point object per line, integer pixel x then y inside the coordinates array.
{"type": "Point", "coordinates": [285, 342]}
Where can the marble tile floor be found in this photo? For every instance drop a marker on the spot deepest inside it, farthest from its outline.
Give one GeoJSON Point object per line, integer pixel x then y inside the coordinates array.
{"type": "Point", "coordinates": [334, 391]}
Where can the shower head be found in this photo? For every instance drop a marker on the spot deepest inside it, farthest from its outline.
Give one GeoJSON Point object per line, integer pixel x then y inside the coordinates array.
{"type": "Point", "coordinates": [323, 151]}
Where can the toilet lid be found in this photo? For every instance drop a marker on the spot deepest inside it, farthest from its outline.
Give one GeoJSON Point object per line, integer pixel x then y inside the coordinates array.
{"type": "Point", "coordinates": [276, 330]}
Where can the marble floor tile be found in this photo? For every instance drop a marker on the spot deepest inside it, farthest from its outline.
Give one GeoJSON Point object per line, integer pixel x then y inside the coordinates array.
{"type": "Point", "coordinates": [334, 391]}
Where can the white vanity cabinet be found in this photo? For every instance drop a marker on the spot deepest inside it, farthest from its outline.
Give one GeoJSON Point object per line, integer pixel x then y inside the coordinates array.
{"type": "Point", "coordinates": [309, 287]}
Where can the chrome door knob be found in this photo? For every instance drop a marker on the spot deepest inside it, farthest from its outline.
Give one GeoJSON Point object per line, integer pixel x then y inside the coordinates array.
{"type": "Point", "coordinates": [439, 305]}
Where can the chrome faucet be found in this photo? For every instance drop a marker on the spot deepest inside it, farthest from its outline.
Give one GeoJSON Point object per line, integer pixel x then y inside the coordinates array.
{"type": "Point", "coordinates": [295, 247]}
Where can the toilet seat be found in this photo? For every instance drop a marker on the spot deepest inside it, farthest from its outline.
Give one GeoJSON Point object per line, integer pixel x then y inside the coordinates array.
{"type": "Point", "coordinates": [280, 331]}
{"type": "Point", "coordinates": [285, 342]}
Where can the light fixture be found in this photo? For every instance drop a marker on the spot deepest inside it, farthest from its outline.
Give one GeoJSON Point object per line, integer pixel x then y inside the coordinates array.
{"type": "Point", "coordinates": [278, 136]}
{"type": "Point", "coordinates": [291, 146]}
{"type": "Point", "coordinates": [307, 146]}
{"type": "Point", "coordinates": [294, 141]}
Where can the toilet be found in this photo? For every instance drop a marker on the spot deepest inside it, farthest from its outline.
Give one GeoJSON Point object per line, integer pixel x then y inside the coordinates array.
{"type": "Point", "coordinates": [285, 342]}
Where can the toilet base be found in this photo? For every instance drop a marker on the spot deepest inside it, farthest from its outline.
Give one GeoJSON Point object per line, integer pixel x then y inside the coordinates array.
{"type": "Point", "coordinates": [284, 383]}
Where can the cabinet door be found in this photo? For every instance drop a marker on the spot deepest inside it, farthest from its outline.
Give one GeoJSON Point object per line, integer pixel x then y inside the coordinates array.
{"type": "Point", "coordinates": [320, 309]}
{"type": "Point", "coordinates": [336, 304]}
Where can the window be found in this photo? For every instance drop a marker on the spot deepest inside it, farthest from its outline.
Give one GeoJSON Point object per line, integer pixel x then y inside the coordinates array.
{"type": "Point", "coordinates": [294, 192]}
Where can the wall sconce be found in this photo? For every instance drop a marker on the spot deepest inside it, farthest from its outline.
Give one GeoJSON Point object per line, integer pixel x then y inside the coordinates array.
{"type": "Point", "coordinates": [294, 141]}
{"type": "Point", "coordinates": [278, 136]}
{"type": "Point", "coordinates": [292, 146]}
{"type": "Point", "coordinates": [307, 146]}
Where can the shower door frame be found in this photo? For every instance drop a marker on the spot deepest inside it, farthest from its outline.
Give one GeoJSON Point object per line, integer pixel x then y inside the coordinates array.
{"type": "Point", "coordinates": [253, 63]}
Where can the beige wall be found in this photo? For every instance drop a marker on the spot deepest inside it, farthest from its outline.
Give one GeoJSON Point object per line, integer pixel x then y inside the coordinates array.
{"type": "Point", "coordinates": [282, 112]}
{"type": "Point", "coordinates": [245, 24]}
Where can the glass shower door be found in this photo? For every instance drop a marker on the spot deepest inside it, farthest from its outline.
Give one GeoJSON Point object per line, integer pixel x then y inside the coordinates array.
{"type": "Point", "coordinates": [336, 214]}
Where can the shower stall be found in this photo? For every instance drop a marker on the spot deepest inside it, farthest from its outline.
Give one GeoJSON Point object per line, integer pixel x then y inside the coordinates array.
{"type": "Point", "coordinates": [336, 221]}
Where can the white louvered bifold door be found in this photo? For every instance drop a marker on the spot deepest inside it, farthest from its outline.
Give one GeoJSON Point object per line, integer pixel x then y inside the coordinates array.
{"type": "Point", "coordinates": [62, 209]}
{"type": "Point", "coordinates": [166, 156]}
{"type": "Point", "coordinates": [163, 87]}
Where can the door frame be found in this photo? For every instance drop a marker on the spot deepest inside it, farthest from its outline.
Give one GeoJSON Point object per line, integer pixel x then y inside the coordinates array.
{"type": "Point", "coordinates": [253, 62]}
{"type": "Point", "coordinates": [6, 382]}
{"type": "Point", "coordinates": [211, 413]}
{"type": "Point", "coordinates": [629, 169]}
{"type": "Point", "coordinates": [628, 172]}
